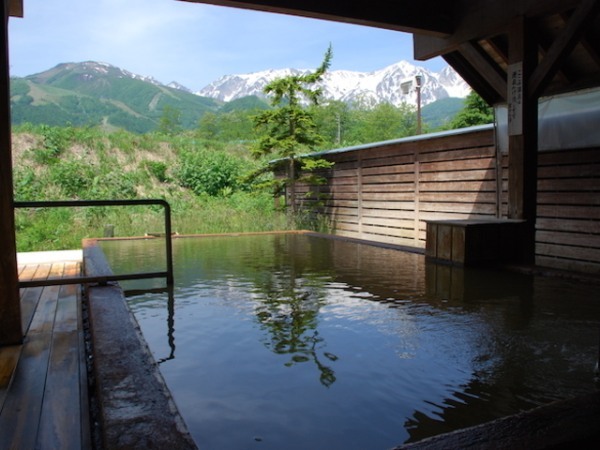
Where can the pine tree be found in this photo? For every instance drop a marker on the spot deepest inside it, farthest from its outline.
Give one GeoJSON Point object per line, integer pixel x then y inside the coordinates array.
{"type": "Point", "coordinates": [475, 112]}
{"type": "Point", "coordinates": [289, 129]}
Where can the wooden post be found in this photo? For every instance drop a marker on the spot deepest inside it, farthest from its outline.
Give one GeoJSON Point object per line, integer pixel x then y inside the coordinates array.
{"type": "Point", "coordinates": [10, 308]}
{"type": "Point", "coordinates": [522, 131]}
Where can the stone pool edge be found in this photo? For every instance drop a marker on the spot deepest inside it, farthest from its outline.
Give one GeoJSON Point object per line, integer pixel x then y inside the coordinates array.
{"type": "Point", "coordinates": [134, 404]}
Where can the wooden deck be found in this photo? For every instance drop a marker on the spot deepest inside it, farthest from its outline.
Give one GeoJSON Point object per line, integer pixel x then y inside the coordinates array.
{"type": "Point", "coordinates": [43, 382]}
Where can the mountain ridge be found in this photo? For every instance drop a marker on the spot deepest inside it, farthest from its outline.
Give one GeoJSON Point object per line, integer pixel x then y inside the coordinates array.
{"type": "Point", "coordinates": [100, 94]}
{"type": "Point", "coordinates": [393, 84]}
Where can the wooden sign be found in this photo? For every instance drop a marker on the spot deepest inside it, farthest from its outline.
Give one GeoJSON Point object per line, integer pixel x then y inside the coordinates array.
{"type": "Point", "coordinates": [515, 99]}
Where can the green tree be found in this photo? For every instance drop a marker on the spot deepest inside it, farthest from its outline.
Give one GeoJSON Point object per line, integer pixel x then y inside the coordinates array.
{"type": "Point", "coordinates": [383, 122]}
{"type": "Point", "coordinates": [289, 129]}
{"type": "Point", "coordinates": [333, 121]}
{"type": "Point", "coordinates": [170, 121]}
{"type": "Point", "coordinates": [208, 126]}
{"type": "Point", "coordinates": [475, 112]}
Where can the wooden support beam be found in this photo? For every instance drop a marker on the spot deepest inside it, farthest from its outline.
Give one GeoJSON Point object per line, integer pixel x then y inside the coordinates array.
{"type": "Point", "coordinates": [485, 19]}
{"type": "Point", "coordinates": [578, 23]}
{"type": "Point", "coordinates": [15, 8]}
{"type": "Point", "coordinates": [522, 130]}
{"type": "Point", "coordinates": [10, 311]}
{"type": "Point", "coordinates": [484, 67]}
{"type": "Point", "coordinates": [474, 78]}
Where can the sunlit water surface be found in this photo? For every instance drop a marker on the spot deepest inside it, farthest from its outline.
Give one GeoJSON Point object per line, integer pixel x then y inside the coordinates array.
{"type": "Point", "coordinates": [300, 342]}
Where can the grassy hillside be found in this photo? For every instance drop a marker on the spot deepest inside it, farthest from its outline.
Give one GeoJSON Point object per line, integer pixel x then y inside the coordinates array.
{"type": "Point", "coordinates": [101, 95]}
{"type": "Point", "coordinates": [201, 180]}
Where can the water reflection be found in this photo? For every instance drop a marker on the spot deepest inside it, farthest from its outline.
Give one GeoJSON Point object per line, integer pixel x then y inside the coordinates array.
{"type": "Point", "coordinates": [169, 292]}
{"type": "Point", "coordinates": [288, 310]}
{"type": "Point", "coordinates": [407, 349]}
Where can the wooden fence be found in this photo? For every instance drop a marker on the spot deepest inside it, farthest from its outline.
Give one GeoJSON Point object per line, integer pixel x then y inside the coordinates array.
{"type": "Point", "coordinates": [386, 192]}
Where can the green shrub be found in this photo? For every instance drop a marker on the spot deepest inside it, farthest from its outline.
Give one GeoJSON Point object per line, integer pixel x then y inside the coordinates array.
{"type": "Point", "coordinates": [73, 177]}
{"type": "Point", "coordinates": [209, 172]}
{"type": "Point", "coordinates": [56, 139]}
{"type": "Point", "coordinates": [157, 169]}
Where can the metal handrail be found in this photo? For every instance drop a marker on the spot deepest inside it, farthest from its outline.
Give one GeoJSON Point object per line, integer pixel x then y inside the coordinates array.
{"type": "Point", "coordinates": [103, 279]}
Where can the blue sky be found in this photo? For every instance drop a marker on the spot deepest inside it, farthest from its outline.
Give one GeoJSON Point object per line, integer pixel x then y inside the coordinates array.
{"type": "Point", "coordinates": [192, 43]}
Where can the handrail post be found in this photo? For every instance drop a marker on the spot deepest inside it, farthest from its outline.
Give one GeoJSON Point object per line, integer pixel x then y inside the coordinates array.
{"type": "Point", "coordinates": [79, 203]}
{"type": "Point", "coordinates": [168, 244]}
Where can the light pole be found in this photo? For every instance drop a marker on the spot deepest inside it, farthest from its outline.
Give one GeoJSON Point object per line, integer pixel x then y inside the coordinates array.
{"type": "Point", "coordinates": [418, 83]}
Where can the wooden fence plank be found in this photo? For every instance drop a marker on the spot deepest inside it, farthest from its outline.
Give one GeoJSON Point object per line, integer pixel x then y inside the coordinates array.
{"type": "Point", "coordinates": [388, 178]}
{"type": "Point", "coordinates": [568, 264]}
{"type": "Point", "coordinates": [383, 170]}
{"type": "Point", "coordinates": [459, 186]}
{"type": "Point", "coordinates": [568, 212]}
{"type": "Point", "coordinates": [388, 161]}
{"type": "Point", "coordinates": [389, 205]}
{"type": "Point", "coordinates": [468, 175]}
{"type": "Point", "coordinates": [394, 214]}
{"type": "Point", "coordinates": [468, 164]}
{"type": "Point", "coordinates": [395, 223]}
{"type": "Point", "coordinates": [576, 226]}
{"type": "Point", "coordinates": [573, 239]}
{"type": "Point", "coordinates": [388, 196]}
{"type": "Point", "coordinates": [458, 207]}
{"type": "Point", "coordinates": [565, 251]}
{"type": "Point", "coordinates": [397, 187]}
{"type": "Point", "coordinates": [570, 171]}
{"type": "Point", "coordinates": [463, 197]}
{"type": "Point", "coordinates": [388, 231]}
{"type": "Point", "coordinates": [591, 155]}
{"type": "Point", "coordinates": [569, 198]}
{"type": "Point", "coordinates": [569, 184]}
{"type": "Point", "coordinates": [456, 155]}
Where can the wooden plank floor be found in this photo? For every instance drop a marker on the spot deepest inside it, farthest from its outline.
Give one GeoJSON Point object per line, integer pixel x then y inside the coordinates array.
{"type": "Point", "coordinates": [43, 382]}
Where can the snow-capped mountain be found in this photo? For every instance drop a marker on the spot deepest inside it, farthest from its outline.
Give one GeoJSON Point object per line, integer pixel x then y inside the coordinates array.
{"type": "Point", "coordinates": [394, 84]}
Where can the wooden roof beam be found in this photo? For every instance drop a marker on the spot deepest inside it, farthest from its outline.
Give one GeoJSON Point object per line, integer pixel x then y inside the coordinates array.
{"type": "Point", "coordinates": [587, 41]}
{"type": "Point", "coordinates": [432, 17]}
{"type": "Point", "coordinates": [474, 78]}
{"type": "Point", "coordinates": [484, 67]}
{"type": "Point", "coordinates": [484, 19]}
{"type": "Point", "coordinates": [15, 8]}
{"type": "Point", "coordinates": [583, 17]}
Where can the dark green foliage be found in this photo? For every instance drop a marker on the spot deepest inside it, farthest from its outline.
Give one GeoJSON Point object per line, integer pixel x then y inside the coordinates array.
{"type": "Point", "coordinates": [55, 140]}
{"type": "Point", "coordinates": [383, 122]}
{"type": "Point", "coordinates": [289, 129]}
{"type": "Point", "coordinates": [92, 164]}
{"type": "Point", "coordinates": [157, 169]}
{"type": "Point", "coordinates": [234, 126]}
{"type": "Point", "coordinates": [475, 112]}
{"type": "Point", "coordinates": [333, 120]}
{"type": "Point", "coordinates": [74, 177]}
{"type": "Point", "coordinates": [27, 185]}
{"type": "Point", "coordinates": [210, 172]}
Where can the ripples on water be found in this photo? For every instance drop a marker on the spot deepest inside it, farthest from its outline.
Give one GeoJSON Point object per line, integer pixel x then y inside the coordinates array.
{"type": "Point", "coordinates": [290, 341]}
